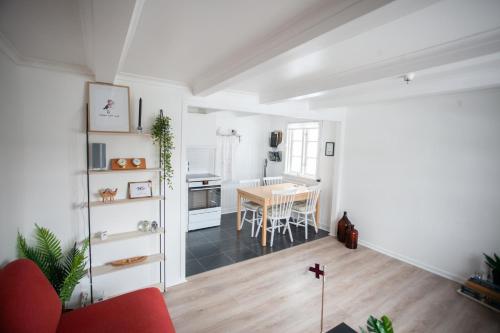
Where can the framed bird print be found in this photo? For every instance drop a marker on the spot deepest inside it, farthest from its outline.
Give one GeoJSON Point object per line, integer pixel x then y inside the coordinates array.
{"type": "Point", "coordinates": [109, 108]}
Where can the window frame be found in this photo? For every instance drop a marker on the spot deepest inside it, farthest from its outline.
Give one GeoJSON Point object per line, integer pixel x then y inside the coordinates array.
{"type": "Point", "coordinates": [304, 141]}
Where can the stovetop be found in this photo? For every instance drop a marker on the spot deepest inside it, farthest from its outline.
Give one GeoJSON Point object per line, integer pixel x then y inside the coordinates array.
{"type": "Point", "coordinates": [196, 177]}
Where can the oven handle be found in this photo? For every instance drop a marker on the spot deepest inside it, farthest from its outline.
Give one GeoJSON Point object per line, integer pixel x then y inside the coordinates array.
{"type": "Point", "coordinates": [194, 189]}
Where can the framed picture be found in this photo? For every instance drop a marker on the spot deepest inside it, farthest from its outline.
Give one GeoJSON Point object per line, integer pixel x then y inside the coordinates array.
{"type": "Point", "coordinates": [330, 149]}
{"type": "Point", "coordinates": [140, 189]}
{"type": "Point", "coordinates": [109, 108]}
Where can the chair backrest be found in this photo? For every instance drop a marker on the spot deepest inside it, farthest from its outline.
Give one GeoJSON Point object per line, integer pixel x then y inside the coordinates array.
{"type": "Point", "coordinates": [28, 301]}
{"type": "Point", "coordinates": [273, 180]}
{"type": "Point", "coordinates": [312, 197]}
{"type": "Point", "coordinates": [282, 202]}
{"type": "Point", "coordinates": [249, 183]}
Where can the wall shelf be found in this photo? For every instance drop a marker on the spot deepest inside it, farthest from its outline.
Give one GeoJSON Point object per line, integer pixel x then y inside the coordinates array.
{"type": "Point", "coordinates": [124, 236]}
{"type": "Point", "coordinates": [102, 172]}
{"type": "Point", "coordinates": [158, 286]}
{"type": "Point", "coordinates": [124, 201]}
{"type": "Point", "coordinates": [92, 202]}
{"type": "Point", "coordinates": [147, 135]}
{"type": "Point", "coordinates": [107, 268]}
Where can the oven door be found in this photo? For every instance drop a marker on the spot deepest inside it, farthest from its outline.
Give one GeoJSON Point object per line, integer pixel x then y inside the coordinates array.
{"type": "Point", "coordinates": [204, 198]}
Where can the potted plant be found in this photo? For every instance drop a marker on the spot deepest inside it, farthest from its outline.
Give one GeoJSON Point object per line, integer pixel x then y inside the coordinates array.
{"type": "Point", "coordinates": [375, 325]}
{"type": "Point", "coordinates": [494, 264]}
{"type": "Point", "coordinates": [161, 133]}
{"type": "Point", "coordinates": [63, 270]}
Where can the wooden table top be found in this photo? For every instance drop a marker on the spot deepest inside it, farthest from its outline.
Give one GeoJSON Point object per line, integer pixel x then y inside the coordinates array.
{"type": "Point", "coordinates": [265, 192]}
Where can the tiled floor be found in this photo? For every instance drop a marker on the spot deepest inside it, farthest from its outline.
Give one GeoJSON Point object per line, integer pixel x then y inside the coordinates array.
{"type": "Point", "coordinates": [210, 248]}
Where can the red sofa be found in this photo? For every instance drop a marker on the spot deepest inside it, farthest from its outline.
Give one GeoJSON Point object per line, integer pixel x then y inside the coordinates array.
{"type": "Point", "coordinates": [28, 303]}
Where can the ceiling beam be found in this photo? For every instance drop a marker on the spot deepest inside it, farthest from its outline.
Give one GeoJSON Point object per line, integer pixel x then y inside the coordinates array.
{"type": "Point", "coordinates": [312, 24]}
{"type": "Point", "coordinates": [458, 50]}
{"type": "Point", "coordinates": [473, 74]}
{"type": "Point", "coordinates": [332, 23]}
{"type": "Point", "coordinates": [108, 28]}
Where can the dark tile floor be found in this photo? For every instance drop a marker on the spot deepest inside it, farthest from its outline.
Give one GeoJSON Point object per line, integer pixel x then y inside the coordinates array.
{"type": "Point", "coordinates": [210, 248]}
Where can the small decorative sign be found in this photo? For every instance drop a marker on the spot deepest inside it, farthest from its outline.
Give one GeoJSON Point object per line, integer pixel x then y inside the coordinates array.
{"type": "Point", "coordinates": [109, 109]}
{"type": "Point", "coordinates": [140, 189]}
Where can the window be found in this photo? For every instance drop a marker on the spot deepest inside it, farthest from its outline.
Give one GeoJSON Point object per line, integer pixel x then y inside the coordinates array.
{"type": "Point", "coordinates": [302, 149]}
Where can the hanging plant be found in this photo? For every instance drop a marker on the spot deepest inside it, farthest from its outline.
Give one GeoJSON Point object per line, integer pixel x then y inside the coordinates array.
{"type": "Point", "coordinates": [161, 133]}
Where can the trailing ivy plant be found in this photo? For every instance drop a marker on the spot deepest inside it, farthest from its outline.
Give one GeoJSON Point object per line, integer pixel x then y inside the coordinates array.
{"type": "Point", "coordinates": [162, 135]}
{"type": "Point", "coordinates": [63, 270]}
{"type": "Point", "coordinates": [382, 325]}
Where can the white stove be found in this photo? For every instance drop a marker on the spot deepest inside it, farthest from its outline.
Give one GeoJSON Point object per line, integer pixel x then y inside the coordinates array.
{"type": "Point", "coordinates": [204, 200]}
{"type": "Point", "coordinates": [196, 177]}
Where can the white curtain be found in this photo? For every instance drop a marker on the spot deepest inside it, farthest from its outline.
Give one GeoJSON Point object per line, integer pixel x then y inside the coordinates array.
{"type": "Point", "coordinates": [226, 148]}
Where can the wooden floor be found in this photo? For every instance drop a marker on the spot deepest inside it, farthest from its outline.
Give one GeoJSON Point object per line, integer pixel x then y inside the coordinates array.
{"type": "Point", "coordinates": [275, 293]}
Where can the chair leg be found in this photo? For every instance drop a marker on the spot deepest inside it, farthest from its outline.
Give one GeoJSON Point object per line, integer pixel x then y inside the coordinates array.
{"type": "Point", "coordinates": [243, 219]}
{"type": "Point", "coordinates": [273, 226]}
{"type": "Point", "coordinates": [289, 231]}
{"type": "Point", "coordinates": [305, 223]}
{"type": "Point", "coordinates": [314, 220]}
{"type": "Point", "coordinates": [253, 221]}
{"type": "Point", "coordinates": [259, 225]}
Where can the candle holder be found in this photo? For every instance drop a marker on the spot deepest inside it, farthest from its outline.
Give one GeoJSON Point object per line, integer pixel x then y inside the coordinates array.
{"type": "Point", "coordinates": [139, 127]}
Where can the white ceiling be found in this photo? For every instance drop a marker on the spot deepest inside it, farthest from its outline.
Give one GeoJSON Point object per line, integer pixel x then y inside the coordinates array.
{"type": "Point", "coordinates": [432, 26]}
{"type": "Point", "coordinates": [180, 40]}
{"type": "Point", "coordinates": [327, 52]}
{"type": "Point", "coordinates": [48, 30]}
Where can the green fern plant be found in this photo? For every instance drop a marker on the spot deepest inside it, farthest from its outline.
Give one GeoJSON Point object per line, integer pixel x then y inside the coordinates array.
{"type": "Point", "coordinates": [382, 325]}
{"type": "Point", "coordinates": [64, 271]}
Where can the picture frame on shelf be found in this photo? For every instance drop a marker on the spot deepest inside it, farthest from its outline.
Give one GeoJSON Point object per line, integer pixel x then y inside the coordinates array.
{"type": "Point", "coordinates": [140, 189]}
{"type": "Point", "coordinates": [109, 108]}
{"type": "Point", "coordinates": [329, 148]}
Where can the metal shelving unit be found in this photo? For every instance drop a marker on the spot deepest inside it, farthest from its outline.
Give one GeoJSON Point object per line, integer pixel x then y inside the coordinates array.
{"type": "Point", "coordinates": [160, 257]}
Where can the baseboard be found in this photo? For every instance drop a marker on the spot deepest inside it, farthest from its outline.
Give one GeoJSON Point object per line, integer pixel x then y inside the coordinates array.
{"type": "Point", "coordinates": [432, 269]}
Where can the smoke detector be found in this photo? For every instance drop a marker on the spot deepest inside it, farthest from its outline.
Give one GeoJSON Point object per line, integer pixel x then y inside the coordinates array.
{"type": "Point", "coordinates": [408, 77]}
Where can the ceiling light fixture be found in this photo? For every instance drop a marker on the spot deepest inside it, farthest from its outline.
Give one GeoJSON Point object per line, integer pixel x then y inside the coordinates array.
{"type": "Point", "coordinates": [408, 77]}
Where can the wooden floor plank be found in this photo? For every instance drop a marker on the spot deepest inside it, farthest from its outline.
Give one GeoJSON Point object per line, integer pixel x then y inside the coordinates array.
{"type": "Point", "coordinates": [276, 293]}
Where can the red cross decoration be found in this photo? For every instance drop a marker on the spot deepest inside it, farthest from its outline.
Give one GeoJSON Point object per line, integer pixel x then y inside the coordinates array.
{"type": "Point", "coordinates": [316, 270]}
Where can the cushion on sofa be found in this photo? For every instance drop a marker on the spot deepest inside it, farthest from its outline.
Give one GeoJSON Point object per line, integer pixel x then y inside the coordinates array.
{"type": "Point", "coordinates": [28, 301]}
{"type": "Point", "coordinates": [139, 311]}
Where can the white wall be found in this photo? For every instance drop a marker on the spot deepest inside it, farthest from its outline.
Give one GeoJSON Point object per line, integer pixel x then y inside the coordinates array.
{"type": "Point", "coordinates": [421, 179]}
{"type": "Point", "coordinates": [42, 152]}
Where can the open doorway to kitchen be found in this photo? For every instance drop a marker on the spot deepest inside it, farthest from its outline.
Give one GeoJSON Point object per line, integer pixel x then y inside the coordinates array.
{"type": "Point", "coordinates": [261, 156]}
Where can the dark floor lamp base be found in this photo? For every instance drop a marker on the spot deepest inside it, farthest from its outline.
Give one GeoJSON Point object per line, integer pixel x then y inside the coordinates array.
{"type": "Point", "coordinates": [342, 328]}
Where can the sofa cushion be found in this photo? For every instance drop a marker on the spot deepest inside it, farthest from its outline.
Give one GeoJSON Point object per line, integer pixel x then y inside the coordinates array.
{"type": "Point", "coordinates": [141, 311]}
{"type": "Point", "coordinates": [28, 303]}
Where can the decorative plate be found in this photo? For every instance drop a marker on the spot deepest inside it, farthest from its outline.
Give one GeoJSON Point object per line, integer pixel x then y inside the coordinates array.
{"type": "Point", "coordinates": [136, 162]}
{"type": "Point", "coordinates": [122, 162]}
{"type": "Point", "coordinates": [128, 261]}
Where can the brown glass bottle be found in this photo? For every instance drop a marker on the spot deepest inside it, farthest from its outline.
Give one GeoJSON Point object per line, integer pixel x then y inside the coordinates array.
{"type": "Point", "coordinates": [351, 238]}
{"type": "Point", "coordinates": [342, 227]}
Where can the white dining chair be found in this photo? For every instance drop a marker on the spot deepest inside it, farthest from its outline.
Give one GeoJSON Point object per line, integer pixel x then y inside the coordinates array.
{"type": "Point", "coordinates": [249, 206]}
{"type": "Point", "coordinates": [305, 208]}
{"type": "Point", "coordinates": [280, 210]}
{"type": "Point", "coordinates": [273, 180]}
